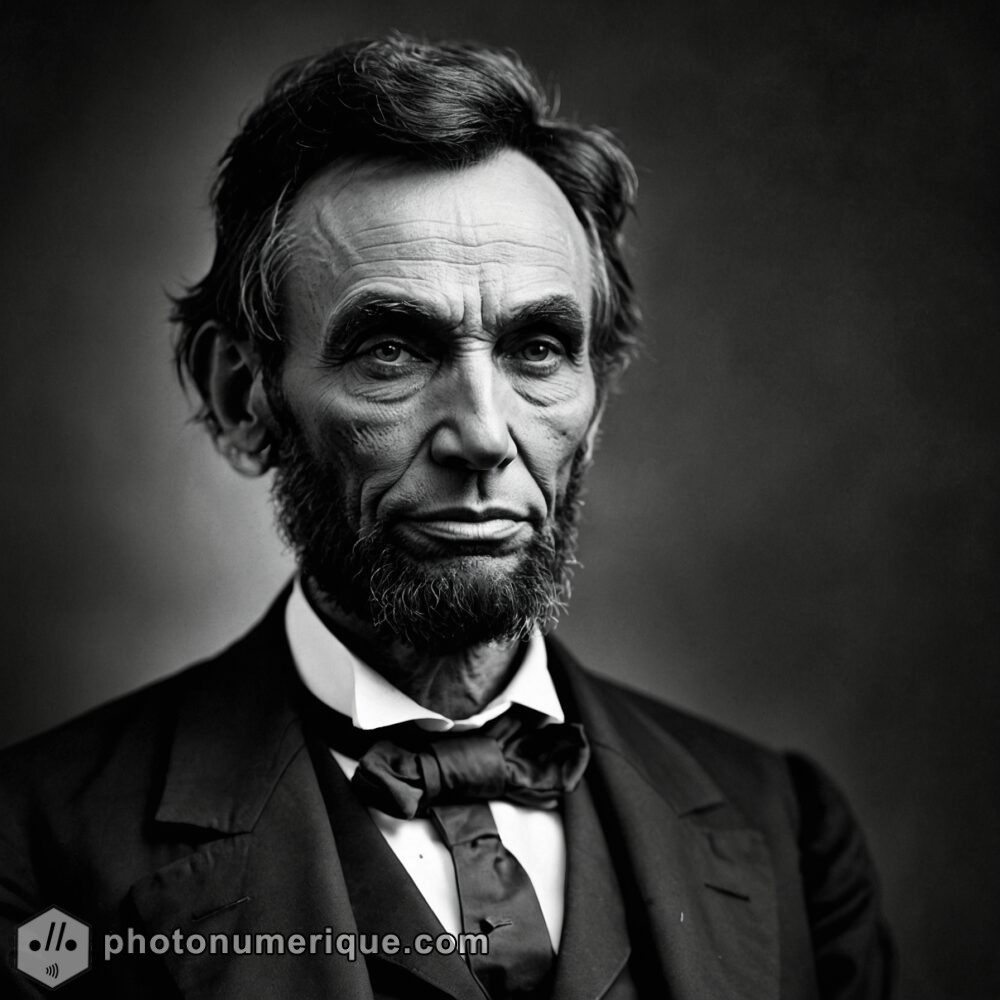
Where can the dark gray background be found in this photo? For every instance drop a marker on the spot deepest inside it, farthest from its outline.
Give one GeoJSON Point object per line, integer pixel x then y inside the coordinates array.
{"type": "Point", "coordinates": [792, 523]}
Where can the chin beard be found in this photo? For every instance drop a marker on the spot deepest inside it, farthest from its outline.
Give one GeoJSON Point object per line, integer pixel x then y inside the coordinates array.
{"type": "Point", "coordinates": [430, 605]}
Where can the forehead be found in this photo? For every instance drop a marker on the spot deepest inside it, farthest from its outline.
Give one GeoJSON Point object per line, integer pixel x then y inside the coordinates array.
{"type": "Point", "coordinates": [477, 239]}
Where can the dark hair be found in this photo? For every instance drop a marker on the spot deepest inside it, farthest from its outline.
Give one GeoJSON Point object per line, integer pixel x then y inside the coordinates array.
{"type": "Point", "coordinates": [447, 104]}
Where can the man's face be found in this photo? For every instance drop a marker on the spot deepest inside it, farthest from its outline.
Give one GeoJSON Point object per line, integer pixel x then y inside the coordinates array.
{"type": "Point", "coordinates": [436, 392]}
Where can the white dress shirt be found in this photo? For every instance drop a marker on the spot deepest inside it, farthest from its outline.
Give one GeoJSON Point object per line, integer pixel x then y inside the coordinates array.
{"type": "Point", "coordinates": [344, 683]}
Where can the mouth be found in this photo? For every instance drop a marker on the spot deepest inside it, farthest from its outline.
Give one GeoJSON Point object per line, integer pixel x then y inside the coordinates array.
{"type": "Point", "coordinates": [469, 525]}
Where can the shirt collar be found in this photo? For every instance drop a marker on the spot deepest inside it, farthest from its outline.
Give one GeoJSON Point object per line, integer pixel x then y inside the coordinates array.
{"type": "Point", "coordinates": [349, 686]}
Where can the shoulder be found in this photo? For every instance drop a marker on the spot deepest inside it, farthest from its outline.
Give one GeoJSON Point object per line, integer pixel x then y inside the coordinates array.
{"type": "Point", "coordinates": [743, 767]}
{"type": "Point", "coordinates": [759, 779]}
{"type": "Point", "coordinates": [88, 787]}
{"type": "Point", "coordinates": [824, 874]}
{"type": "Point", "coordinates": [76, 802]}
{"type": "Point", "coordinates": [103, 770]}
{"type": "Point", "coordinates": [703, 737]}
{"type": "Point", "coordinates": [115, 734]}
{"type": "Point", "coordinates": [81, 802]}
{"type": "Point", "coordinates": [754, 777]}
{"type": "Point", "coordinates": [127, 735]}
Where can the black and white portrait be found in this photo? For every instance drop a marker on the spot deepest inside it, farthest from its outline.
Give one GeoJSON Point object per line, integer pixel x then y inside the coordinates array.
{"type": "Point", "coordinates": [585, 415]}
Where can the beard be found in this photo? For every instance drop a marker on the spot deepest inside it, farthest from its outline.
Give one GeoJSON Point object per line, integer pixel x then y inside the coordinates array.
{"type": "Point", "coordinates": [431, 605]}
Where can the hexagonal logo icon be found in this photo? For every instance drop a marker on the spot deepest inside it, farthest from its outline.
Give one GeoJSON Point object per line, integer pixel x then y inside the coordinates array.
{"type": "Point", "coordinates": [53, 947]}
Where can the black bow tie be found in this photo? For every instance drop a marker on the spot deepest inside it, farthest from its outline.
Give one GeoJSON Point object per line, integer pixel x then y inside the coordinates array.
{"type": "Point", "coordinates": [511, 757]}
{"type": "Point", "coordinates": [403, 770]}
{"type": "Point", "coordinates": [449, 777]}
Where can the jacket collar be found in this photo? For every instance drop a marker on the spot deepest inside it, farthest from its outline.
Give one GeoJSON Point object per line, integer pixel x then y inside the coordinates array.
{"type": "Point", "coordinates": [236, 733]}
{"type": "Point", "coordinates": [616, 728]}
{"type": "Point", "coordinates": [238, 770]}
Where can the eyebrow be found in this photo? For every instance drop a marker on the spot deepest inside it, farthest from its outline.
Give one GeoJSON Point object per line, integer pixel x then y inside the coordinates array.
{"type": "Point", "coordinates": [559, 313]}
{"type": "Point", "coordinates": [556, 312]}
{"type": "Point", "coordinates": [368, 311]}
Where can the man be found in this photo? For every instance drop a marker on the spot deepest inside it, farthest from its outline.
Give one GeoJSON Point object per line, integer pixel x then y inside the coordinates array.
{"type": "Point", "coordinates": [416, 310]}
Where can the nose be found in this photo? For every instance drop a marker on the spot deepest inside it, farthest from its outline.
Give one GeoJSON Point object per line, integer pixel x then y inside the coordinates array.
{"type": "Point", "coordinates": [473, 432]}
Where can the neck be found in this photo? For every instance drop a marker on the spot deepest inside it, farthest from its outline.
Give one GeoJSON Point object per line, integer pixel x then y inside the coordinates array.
{"type": "Point", "coordinates": [456, 683]}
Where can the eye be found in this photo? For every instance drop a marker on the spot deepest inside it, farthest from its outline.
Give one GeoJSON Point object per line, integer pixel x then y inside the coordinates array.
{"type": "Point", "coordinates": [389, 352]}
{"type": "Point", "coordinates": [539, 351]}
{"type": "Point", "coordinates": [389, 359]}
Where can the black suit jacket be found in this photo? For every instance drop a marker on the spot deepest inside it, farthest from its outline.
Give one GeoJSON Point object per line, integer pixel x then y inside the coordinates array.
{"type": "Point", "coordinates": [194, 804]}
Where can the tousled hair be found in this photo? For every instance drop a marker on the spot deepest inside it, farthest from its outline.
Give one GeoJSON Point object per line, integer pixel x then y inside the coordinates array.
{"type": "Point", "coordinates": [440, 104]}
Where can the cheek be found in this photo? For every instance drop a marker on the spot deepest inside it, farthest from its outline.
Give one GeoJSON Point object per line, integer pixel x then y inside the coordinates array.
{"type": "Point", "coordinates": [370, 447]}
{"type": "Point", "coordinates": [367, 450]}
{"type": "Point", "coordinates": [557, 434]}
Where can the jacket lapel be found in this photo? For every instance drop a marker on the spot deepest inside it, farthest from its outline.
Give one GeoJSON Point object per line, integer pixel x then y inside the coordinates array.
{"type": "Point", "coordinates": [239, 780]}
{"type": "Point", "coordinates": [705, 881]}
{"type": "Point", "coordinates": [595, 942]}
{"type": "Point", "coordinates": [384, 898]}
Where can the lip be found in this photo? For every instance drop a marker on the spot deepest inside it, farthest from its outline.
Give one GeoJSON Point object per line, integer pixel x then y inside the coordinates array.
{"type": "Point", "coordinates": [469, 524]}
{"type": "Point", "coordinates": [469, 515]}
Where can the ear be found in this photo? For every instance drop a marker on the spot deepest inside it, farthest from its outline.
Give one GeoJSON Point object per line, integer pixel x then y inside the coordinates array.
{"type": "Point", "coordinates": [230, 379]}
